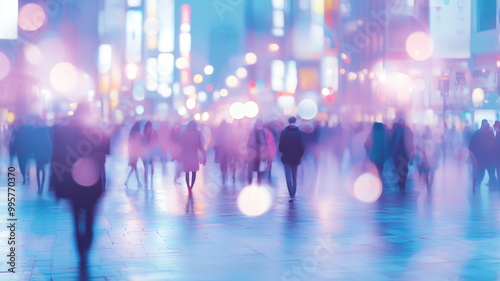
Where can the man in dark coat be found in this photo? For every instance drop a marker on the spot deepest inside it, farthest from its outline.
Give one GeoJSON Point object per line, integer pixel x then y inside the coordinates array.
{"type": "Point", "coordinates": [78, 173]}
{"type": "Point", "coordinates": [482, 147]}
{"type": "Point", "coordinates": [402, 151]}
{"type": "Point", "coordinates": [291, 145]}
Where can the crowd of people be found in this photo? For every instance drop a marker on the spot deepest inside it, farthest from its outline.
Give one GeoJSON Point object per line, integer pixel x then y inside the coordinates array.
{"type": "Point", "coordinates": [243, 150]}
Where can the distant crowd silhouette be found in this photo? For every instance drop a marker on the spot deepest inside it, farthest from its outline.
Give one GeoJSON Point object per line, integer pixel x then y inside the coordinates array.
{"type": "Point", "coordinates": [76, 150]}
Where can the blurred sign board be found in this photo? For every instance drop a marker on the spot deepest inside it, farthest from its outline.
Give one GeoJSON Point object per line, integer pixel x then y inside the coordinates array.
{"type": "Point", "coordinates": [450, 25]}
{"type": "Point", "coordinates": [8, 19]}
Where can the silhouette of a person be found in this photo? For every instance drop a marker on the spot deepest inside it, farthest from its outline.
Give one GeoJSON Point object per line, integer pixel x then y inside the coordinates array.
{"type": "Point", "coordinates": [78, 172]}
{"type": "Point", "coordinates": [291, 145]}
{"type": "Point", "coordinates": [192, 143]}
{"type": "Point", "coordinates": [134, 150]}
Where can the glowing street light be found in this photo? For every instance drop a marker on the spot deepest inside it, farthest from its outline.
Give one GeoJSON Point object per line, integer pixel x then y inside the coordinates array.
{"type": "Point", "coordinates": [232, 81]}
{"type": "Point", "coordinates": [132, 71]}
{"type": "Point", "coordinates": [251, 58]}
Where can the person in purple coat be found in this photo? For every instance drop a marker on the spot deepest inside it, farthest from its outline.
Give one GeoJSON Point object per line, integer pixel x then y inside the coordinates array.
{"type": "Point", "coordinates": [291, 145]}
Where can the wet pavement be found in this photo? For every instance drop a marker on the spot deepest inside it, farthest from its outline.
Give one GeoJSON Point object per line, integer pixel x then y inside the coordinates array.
{"type": "Point", "coordinates": [162, 233]}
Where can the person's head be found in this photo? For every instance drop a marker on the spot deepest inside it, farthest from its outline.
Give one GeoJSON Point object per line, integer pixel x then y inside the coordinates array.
{"type": "Point", "coordinates": [136, 128]}
{"type": "Point", "coordinates": [84, 114]}
{"type": "Point", "coordinates": [496, 126]}
{"type": "Point", "coordinates": [259, 124]}
{"type": "Point", "coordinates": [292, 120]}
{"type": "Point", "coordinates": [192, 125]}
{"type": "Point", "coordinates": [485, 124]}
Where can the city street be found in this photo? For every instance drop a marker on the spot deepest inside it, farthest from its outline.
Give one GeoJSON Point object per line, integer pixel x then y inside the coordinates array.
{"type": "Point", "coordinates": [161, 233]}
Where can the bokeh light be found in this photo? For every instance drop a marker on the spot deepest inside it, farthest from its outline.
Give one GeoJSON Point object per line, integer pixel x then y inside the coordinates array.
{"type": "Point", "coordinates": [64, 77]}
{"type": "Point", "coordinates": [205, 116]}
{"type": "Point", "coordinates": [202, 96]}
{"type": "Point", "coordinates": [232, 81]}
{"type": "Point", "coordinates": [419, 46]}
{"type": "Point", "coordinates": [132, 71]}
{"type": "Point", "coordinates": [477, 97]}
{"type": "Point", "coordinates": [209, 70]}
{"type": "Point", "coordinates": [189, 90]}
{"type": "Point", "coordinates": [151, 26]}
{"type": "Point", "coordinates": [182, 111]}
{"type": "Point", "coordinates": [325, 92]}
{"type": "Point", "coordinates": [237, 110]}
{"type": "Point", "coordinates": [85, 171]}
{"type": "Point", "coordinates": [4, 66]}
{"type": "Point", "coordinates": [307, 109]}
{"type": "Point", "coordinates": [251, 58]}
{"type": "Point", "coordinates": [190, 103]}
{"type": "Point", "coordinates": [223, 92]}
{"type": "Point", "coordinates": [367, 188]}
{"type": "Point", "coordinates": [139, 109]}
{"type": "Point", "coordinates": [198, 78]}
{"type": "Point", "coordinates": [181, 63]}
{"type": "Point", "coordinates": [31, 17]}
{"type": "Point", "coordinates": [274, 47]}
{"type": "Point", "coordinates": [251, 109]}
{"type": "Point", "coordinates": [254, 200]}
{"type": "Point", "coordinates": [197, 117]}
{"type": "Point", "coordinates": [241, 73]}
{"type": "Point", "coordinates": [33, 54]}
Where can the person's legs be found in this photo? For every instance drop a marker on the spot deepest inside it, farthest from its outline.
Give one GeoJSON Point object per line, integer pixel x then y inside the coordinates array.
{"type": "Point", "coordinates": [250, 173]}
{"type": "Point", "coordinates": [492, 182]}
{"type": "Point", "coordinates": [88, 235]}
{"type": "Point", "coordinates": [77, 213]}
{"type": "Point", "coordinates": [23, 161]}
{"type": "Point", "coordinates": [187, 180]}
{"type": "Point", "coordinates": [479, 176]}
{"type": "Point", "coordinates": [39, 171]}
{"type": "Point", "coordinates": [289, 179]}
{"type": "Point", "coordinates": [294, 180]}
{"type": "Point", "coordinates": [193, 179]}
{"type": "Point", "coordinates": [401, 165]}
{"type": "Point", "coordinates": [380, 169]}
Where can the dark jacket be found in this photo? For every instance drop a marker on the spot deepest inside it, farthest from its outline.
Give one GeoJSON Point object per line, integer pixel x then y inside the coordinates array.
{"type": "Point", "coordinates": [72, 143]}
{"type": "Point", "coordinates": [482, 146]}
{"type": "Point", "coordinates": [291, 145]}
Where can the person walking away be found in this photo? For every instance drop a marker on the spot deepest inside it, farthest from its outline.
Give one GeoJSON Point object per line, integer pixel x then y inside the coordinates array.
{"type": "Point", "coordinates": [78, 172]}
{"type": "Point", "coordinates": [257, 149]}
{"type": "Point", "coordinates": [402, 151]}
{"type": "Point", "coordinates": [149, 144]}
{"type": "Point", "coordinates": [42, 152]}
{"type": "Point", "coordinates": [428, 156]}
{"type": "Point", "coordinates": [291, 145]}
{"type": "Point", "coordinates": [481, 147]}
{"type": "Point", "coordinates": [134, 151]}
{"type": "Point", "coordinates": [192, 145]}
{"type": "Point", "coordinates": [376, 147]}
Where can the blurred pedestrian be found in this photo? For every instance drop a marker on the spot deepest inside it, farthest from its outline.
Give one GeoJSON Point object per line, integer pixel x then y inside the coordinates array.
{"type": "Point", "coordinates": [428, 154]}
{"type": "Point", "coordinates": [257, 150]}
{"type": "Point", "coordinates": [222, 148]}
{"type": "Point", "coordinates": [291, 145]}
{"type": "Point", "coordinates": [376, 147]}
{"type": "Point", "coordinates": [24, 147]}
{"type": "Point", "coordinates": [134, 151]}
{"type": "Point", "coordinates": [482, 148]}
{"type": "Point", "coordinates": [78, 171]}
{"type": "Point", "coordinates": [402, 151]}
{"type": "Point", "coordinates": [164, 145]}
{"type": "Point", "coordinates": [149, 145]}
{"type": "Point", "coordinates": [42, 152]}
{"type": "Point", "coordinates": [192, 146]}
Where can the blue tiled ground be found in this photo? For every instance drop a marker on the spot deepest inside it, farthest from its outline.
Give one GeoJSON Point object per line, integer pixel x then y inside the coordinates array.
{"type": "Point", "coordinates": [160, 233]}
